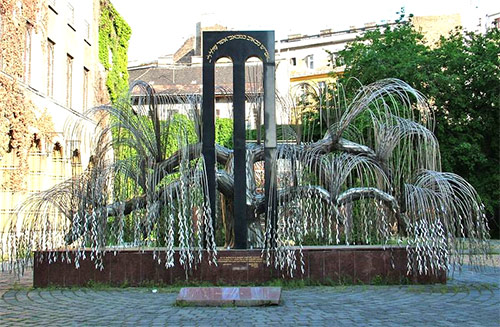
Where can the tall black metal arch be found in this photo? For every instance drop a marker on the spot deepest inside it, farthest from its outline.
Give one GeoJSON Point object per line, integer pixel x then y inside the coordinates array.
{"type": "Point", "coordinates": [239, 46]}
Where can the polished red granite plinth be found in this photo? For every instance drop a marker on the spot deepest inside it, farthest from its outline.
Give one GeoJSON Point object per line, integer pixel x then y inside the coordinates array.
{"type": "Point", "coordinates": [229, 296]}
{"type": "Point", "coordinates": [328, 265]}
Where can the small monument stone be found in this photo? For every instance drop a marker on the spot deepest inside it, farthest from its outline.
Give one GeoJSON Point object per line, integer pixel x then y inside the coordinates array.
{"type": "Point", "coordinates": [229, 296]}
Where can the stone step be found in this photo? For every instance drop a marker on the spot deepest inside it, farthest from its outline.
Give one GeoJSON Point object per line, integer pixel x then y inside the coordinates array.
{"type": "Point", "coordinates": [229, 296]}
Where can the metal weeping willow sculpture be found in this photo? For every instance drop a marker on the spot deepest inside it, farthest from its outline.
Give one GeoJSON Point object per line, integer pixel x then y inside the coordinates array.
{"type": "Point", "coordinates": [375, 184]}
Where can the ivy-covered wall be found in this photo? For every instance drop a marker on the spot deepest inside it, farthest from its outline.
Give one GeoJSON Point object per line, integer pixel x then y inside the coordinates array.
{"type": "Point", "coordinates": [18, 115]}
{"type": "Point", "coordinates": [114, 34]}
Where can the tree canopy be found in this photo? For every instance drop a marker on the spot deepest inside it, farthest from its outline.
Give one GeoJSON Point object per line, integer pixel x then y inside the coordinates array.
{"type": "Point", "coordinates": [461, 77]}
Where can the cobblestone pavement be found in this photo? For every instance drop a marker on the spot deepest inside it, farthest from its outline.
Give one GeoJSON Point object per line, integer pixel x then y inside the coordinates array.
{"type": "Point", "coordinates": [470, 299]}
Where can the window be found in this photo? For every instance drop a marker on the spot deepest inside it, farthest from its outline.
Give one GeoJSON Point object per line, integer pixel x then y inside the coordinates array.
{"type": "Point", "coordinates": [69, 80]}
{"type": "Point", "coordinates": [52, 6]}
{"type": "Point", "coordinates": [322, 86]}
{"type": "Point", "coordinates": [310, 62]}
{"type": "Point", "coordinates": [18, 10]}
{"type": "Point", "coordinates": [496, 23]}
{"type": "Point", "coordinates": [76, 163]}
{"type": "Point", "coordinates": [293, 61]}
{"type": "Point", "coordinates": [50, 68]}
{"type": "Point", "coordinates": [336, 60]}
{"type": "Point", "coordinates": [303, 89]}
{"type": "Point", "coordinates": [86, 31]}
{"type": "Point", "coordinates": [1, 60]}
{"type": "Point", "coordinates": [71, 15]}
{"type": "Point", "coordinates": [339, 61]}
{"type": "Point", "coordinates": [27, 53]}
{"type": "Point", "coordinates": [85, 87]}
{"type": "Point", "coordinates": [58, 163]}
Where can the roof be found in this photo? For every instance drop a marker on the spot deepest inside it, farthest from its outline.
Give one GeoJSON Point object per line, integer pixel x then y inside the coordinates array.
{"type": "Point", "coordinates": [186, 51]}
{"type": "Point", "coordinates": [187, 79]}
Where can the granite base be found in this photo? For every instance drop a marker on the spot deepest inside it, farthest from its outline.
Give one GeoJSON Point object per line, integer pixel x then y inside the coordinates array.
{"type": "Point", "coordinates": [322, 265]}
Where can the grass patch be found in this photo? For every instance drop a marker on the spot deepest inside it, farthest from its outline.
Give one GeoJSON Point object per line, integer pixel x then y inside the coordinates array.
{"type": "Point", "coordinates": [19, 287]}
{"type": "Point", "coordinates": [286, 284]}
{"type": "Point", "coordinates": [452, 289]}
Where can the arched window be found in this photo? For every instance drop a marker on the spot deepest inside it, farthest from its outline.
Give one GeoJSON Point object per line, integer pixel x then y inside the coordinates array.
{"type": "Point", "coordinates": [58, 164]}
{"type": "Point", "coordinates": [76, 163]}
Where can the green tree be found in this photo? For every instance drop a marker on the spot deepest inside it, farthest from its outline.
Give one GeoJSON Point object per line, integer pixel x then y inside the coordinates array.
{"type": "Point", "coordinates": [466, 90]}
{"type": "Point", "coordinates": [461, 77]}
{"type": "Point", "coordinates": [224, 132]}
{"type": "Point", "coordinates": [390, 53]}
{"type": "Point", "coordinates": [181, 129]}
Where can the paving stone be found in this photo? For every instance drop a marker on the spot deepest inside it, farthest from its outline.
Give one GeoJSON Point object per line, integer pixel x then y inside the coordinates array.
{"type": "Point", "coordinates": [471, 299]}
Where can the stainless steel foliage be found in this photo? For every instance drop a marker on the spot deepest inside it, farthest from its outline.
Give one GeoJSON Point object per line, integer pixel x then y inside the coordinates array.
{"type": "Point", "coordinates": [374, 178]}
{"type": "Point", "coordinates": [134, 178]}
{"type": "Point", "coordinates": [388, 189]}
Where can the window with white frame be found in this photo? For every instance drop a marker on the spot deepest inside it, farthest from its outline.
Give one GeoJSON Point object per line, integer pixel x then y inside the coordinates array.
{"type": "Point", "coordinates": [86, 31]}
{"type": "Point", "coordinates": [71, 15]}
{"type": "Point", "coordinates": [52, 6]}
{"type": "Point", "coordinates": [69, 80]}
{"type": "Point", "coordinates": [336, 59]}
{"type": "Point", "coordinates": [310, 61]}
{"type": "Point", "coordinates": [50, 67]}
{"type": "Point", "coordinates": [322, 86]}
{"type": "Point", "coordinates": [85, 87]}
{"type": "Point", "coordinates": [27, 53]}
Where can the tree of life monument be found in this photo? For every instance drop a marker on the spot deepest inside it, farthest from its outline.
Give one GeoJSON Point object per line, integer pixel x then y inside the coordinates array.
{"type": "Point", "coordinates": [239, 46]}
{"type": "Point", "coordinates": [378, 185]}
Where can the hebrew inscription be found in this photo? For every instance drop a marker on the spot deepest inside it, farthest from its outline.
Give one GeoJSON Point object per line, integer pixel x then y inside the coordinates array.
{"type": "Point", "coordinates": [245, 37]}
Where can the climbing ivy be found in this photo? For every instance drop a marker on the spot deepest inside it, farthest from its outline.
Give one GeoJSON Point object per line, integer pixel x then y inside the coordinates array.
{"type": "Point", "coordinates": [114, 34]}
{"type": "Point", "coordinates": [18, 115]}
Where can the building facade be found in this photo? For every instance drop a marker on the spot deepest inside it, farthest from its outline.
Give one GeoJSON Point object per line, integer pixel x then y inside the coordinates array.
{"type": "Point", "coordinates": [304, 63]}
{"type": "Point", "coordinates": [312, 60]}
{"type": "Point", "coordinates": [300, 59]}
{"type": "Point", "coordinates": [180, 74]}
{"type": "Point", "coordinates": [49, 74]}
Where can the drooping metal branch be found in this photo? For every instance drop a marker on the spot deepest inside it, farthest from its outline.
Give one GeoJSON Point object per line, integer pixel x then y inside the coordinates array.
{"type": "Point", "coordinates": [388, 189]}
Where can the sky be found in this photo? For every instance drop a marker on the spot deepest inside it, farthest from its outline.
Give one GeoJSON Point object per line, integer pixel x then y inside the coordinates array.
{"type": "Point", "coordinates": [160, 27]}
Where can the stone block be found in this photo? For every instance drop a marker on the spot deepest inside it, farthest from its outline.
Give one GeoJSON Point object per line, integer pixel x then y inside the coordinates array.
{"type": "Point", "coordinates": [229, 296]}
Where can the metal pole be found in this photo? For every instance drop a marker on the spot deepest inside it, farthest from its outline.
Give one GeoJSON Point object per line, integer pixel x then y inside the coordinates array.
{"type": "Point", "coordinates": [208, 134]}
{"type": "Point", "coordinates": [239, 141]}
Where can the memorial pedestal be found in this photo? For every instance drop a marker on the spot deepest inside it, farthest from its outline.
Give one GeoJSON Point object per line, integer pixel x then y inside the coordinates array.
{"type": "Point", "coordinates": [322, 264]}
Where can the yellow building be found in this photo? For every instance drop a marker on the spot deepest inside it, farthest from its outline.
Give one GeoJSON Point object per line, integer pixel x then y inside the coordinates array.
{"type": "Point", "coordinates": [312, 59]}
{"type": "Point", "coordinates": [306, 64]}
{"type": "Point", "coordinates": [49, 72]}
{"type": "Point", "coordinates": [433, 27]}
